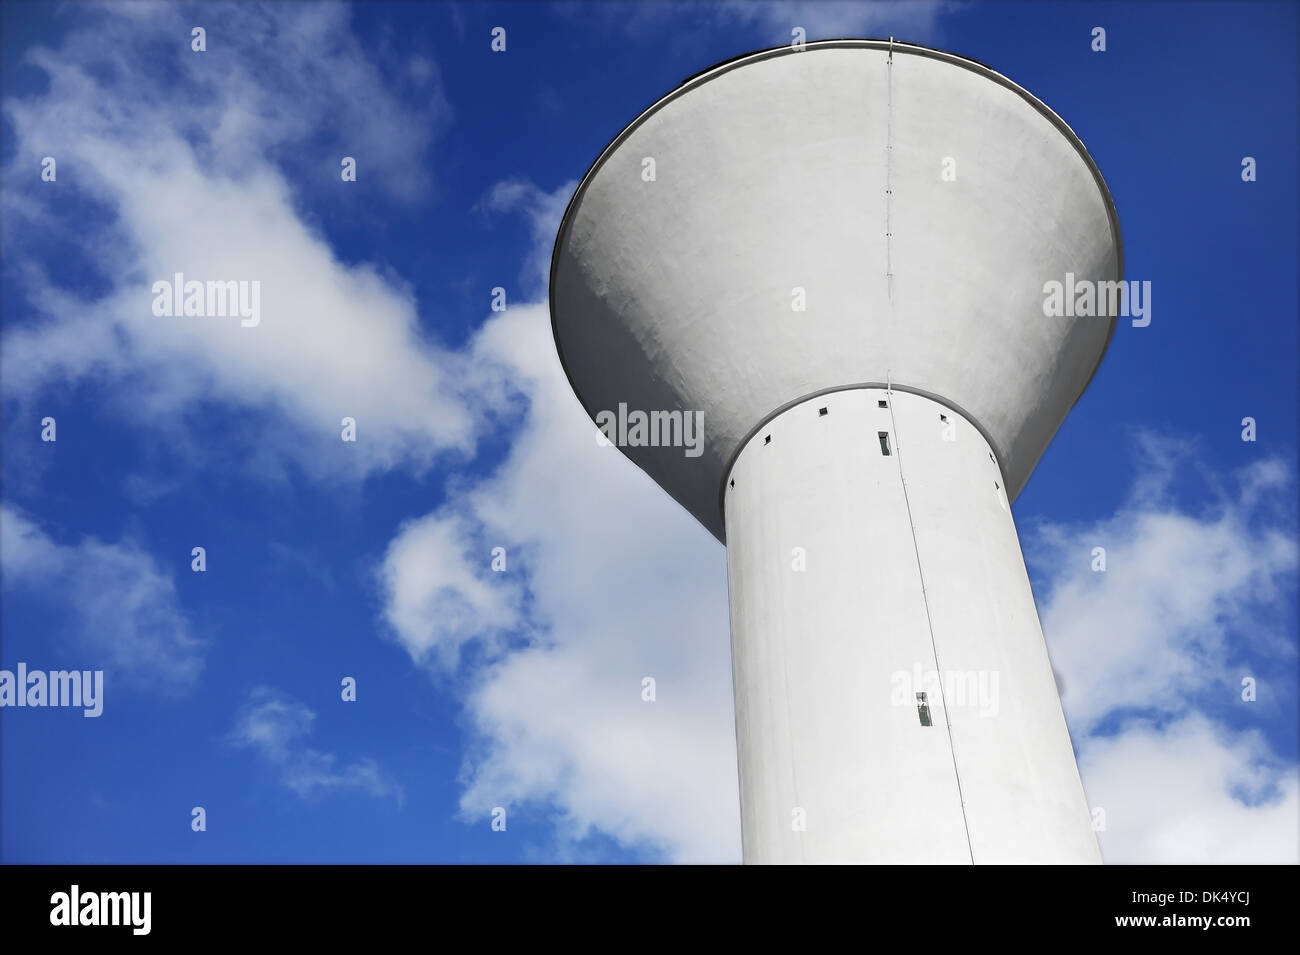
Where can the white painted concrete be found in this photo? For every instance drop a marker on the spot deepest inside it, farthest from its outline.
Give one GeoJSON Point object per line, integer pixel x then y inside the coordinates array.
{"type": "Point", "coordinates": [821, 170]}
{"type": "Point", "coordinates": [912, 563]}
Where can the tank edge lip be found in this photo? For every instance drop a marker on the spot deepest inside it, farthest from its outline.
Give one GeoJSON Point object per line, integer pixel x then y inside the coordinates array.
{"type": "Point", "coordinates": [890, 44]}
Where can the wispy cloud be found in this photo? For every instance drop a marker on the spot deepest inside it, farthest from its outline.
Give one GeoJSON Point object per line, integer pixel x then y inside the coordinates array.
{"type": "Point", "coordinates": [1152, 652]}
{"type": "Point", "coordinates": [833, 19]}
{"type": "Point", "coordinates": [125, 611]}
{"type": "Point", "coordinates": [543, 211]}
{"type": "Point", "coordinates": [774, 20]}
{"type": "Point", "coordinates": [276, 727]}
{"type": "Point", "coordinates": [169, 161]}
{"type": "Point", "coordinates": [1188, 596]}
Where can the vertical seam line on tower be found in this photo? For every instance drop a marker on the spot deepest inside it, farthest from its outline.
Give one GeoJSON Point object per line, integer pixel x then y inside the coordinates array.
{"type": "Point", "coordinates": [925, 599]}
{"type": "Point", "coordinates": [889, 167]}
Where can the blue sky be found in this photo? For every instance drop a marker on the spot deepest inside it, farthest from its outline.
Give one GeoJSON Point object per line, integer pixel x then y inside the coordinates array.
{"type": "Point", "coordinates": [371, 559]}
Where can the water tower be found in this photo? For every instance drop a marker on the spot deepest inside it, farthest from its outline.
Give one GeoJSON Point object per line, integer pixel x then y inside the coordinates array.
{"type": "Point", "coordinates": [837, 255]}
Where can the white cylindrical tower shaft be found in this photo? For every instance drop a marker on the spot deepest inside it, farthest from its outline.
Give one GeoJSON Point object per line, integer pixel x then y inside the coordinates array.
{"type": "Point", "coordinates": [872, 557]}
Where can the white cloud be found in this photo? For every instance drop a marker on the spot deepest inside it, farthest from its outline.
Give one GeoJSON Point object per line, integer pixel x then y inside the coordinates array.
{"type": "Point", "coordinates": [438, 593]}
{"type": "Point", "coordinates": [276, 727]}
{"type": "Point", "coordinates": [913, 20]}
{"type": "Point", "coordinates": [543, 211]}
{"type": "Point", "coordinates": [127, 616]}
{"type": "Point", "coordinates": [1185, 598]}
{"type": "Point", "coordinates": [620, 584]}
{"type": "Point", "coordinates": [1191, 792]}
{"type": "Point", "coordinates": [615, 583]}
{"type": "Point", "coordinates": [1151, 653]}
{"type": "Point", "coordinates": [910, 20]}
{"type": "Point", "coordinates": [185, 153]}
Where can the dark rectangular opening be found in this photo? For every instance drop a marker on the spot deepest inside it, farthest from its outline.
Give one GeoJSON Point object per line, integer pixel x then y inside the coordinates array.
{"type": "Point", "coordinates": [882, 404]}
{"type": "Point", "coordinates": [923, 709]}
{"type": "Point", "coordinates": [884, 441]}
{"type": "Point", "coordinates": [821, 411]}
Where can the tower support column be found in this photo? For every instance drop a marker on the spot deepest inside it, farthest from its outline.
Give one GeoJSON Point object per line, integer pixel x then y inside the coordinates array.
{"type": "Point", "coordinates": [894, 698]}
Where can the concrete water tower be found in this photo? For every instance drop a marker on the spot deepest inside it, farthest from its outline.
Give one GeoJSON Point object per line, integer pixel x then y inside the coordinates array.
{"type": "Point", "coordinates": [838, 255]}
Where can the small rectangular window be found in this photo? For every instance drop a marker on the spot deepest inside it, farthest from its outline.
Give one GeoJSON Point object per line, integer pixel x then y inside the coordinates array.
{"type": "Point", "coordinates": [821, 411]}
{"type": "Point", "coordinates": [923, 709]}
{"type": "Point", "coordinates": [884, 441]}
{"type": "Point", "coordinates": [882, 404]}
